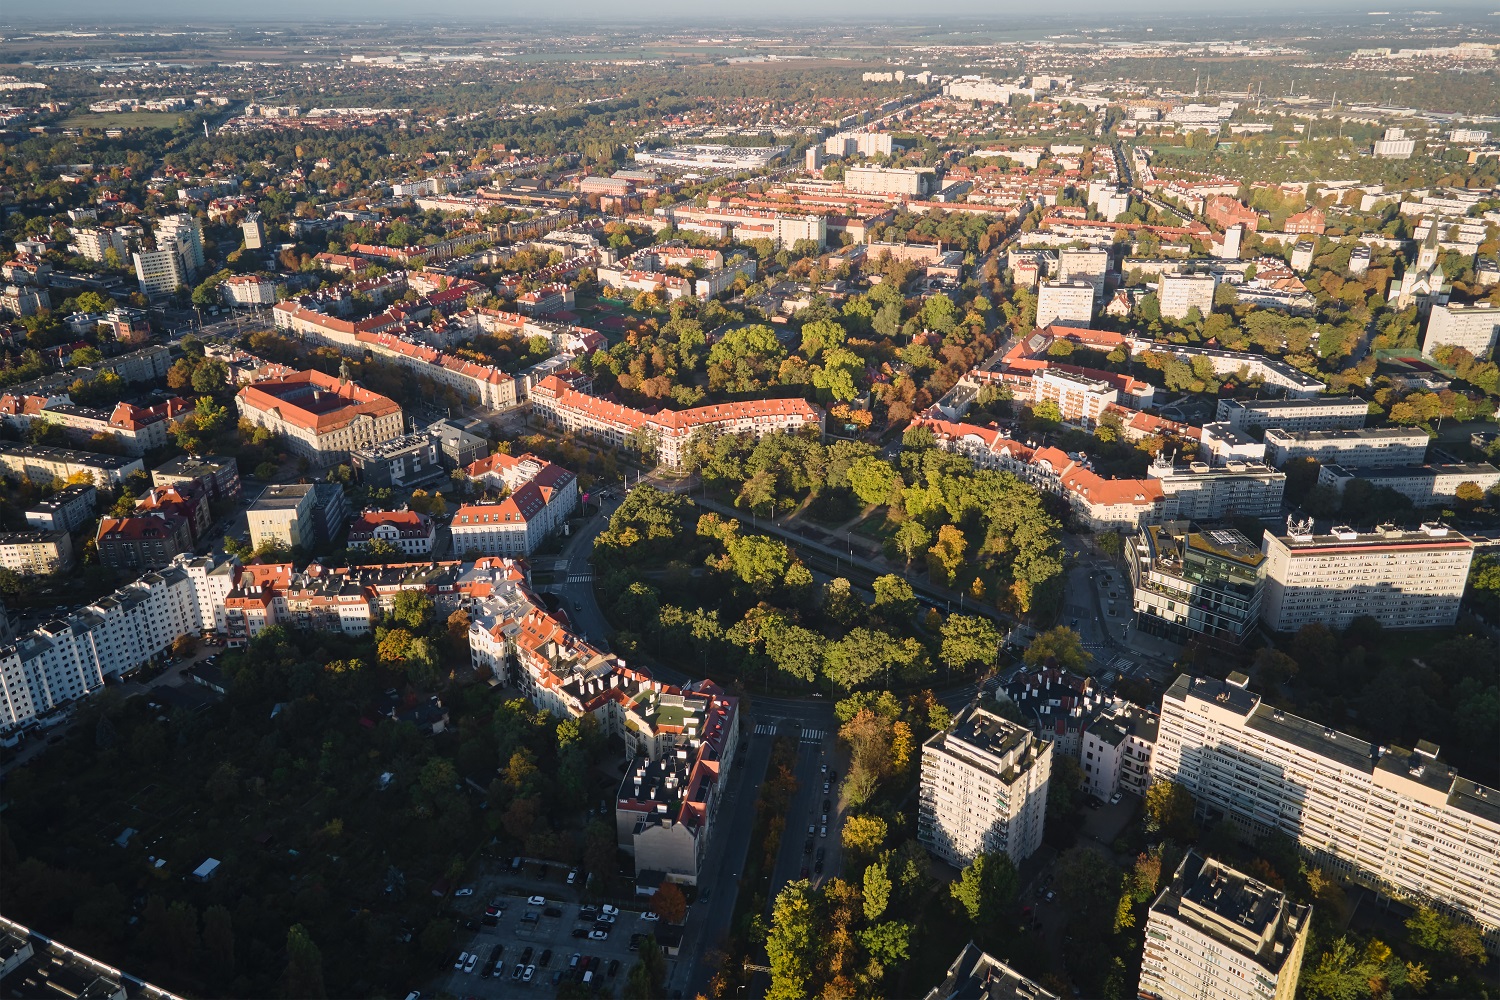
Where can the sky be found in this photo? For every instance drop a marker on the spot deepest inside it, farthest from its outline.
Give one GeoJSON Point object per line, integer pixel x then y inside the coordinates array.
{"type": "Point", "coordinates": [688, 11]}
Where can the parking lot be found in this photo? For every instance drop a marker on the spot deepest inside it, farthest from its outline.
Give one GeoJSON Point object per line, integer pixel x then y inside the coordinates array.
{"type": "Point", "coordinates": [547, 929]}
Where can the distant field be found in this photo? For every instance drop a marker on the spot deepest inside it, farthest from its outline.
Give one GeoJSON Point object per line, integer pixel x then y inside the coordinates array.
{"type": "Point", "coordinates": [124, 119]}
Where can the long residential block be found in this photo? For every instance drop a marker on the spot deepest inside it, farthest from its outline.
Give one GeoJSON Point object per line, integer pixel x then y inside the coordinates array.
{"type": "Point", "coordinates": [1354, 448]}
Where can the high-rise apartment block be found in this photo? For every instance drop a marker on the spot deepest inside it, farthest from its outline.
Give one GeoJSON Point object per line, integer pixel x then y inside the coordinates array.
{"type": "Point", "coordinates": [1192, 584]}
{"type": "Point", "coordinates": [1324, 414]}
{"type": "Point", "coordinates": [1475, 328]}
{"type": "Point", "coordinates": [160, 271]}
{"type": "Point", "coordinates": [1215, 932]}
{"type": "Point", "coordinates": [186, 234]}
{"type": "Point", "coordinates": [1398, 821]}
{"type": "Point", "coordinates": [1181, 293]}
{"type": "Point", "coordinates": [1068, 302]}
{"type": "Point", "coordinates": [254, 231]}
{"type": "Point", "coordinates": [984, 788]}
{"type": "Point", "coordinates": [1402, 579]}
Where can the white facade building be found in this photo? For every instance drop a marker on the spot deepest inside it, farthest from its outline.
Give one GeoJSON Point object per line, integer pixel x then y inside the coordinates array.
{"type": "Point", "coordinates": [1359, 448]}
{"type": "Point", "coordinates": [1295, 414]}
{"type": "Point", "coordinates": [1475, 328]}
{"type": "Point", "coordinates": [1068, 302]}
{"type": "Point", "coordinates": [984, 789]}
{"type": "Point", "coordinates": [1398, 821]}
{"type": "Point", "coordinates": [1180, 293]}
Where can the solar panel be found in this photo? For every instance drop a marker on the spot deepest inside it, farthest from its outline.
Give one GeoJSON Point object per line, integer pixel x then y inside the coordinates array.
{"type": "Point", "coordinates": [1228, 537]}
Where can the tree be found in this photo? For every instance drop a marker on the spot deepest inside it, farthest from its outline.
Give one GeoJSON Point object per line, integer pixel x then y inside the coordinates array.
{"type": "Point", "coordinates": [1441, 934]}
{"type": "Point", "coordinates": [872, 480]}
{"type": "Point", "coordinates": [218, 942]}
{"type": "Point", "coordinates": [947, 555]}
{"type": "Point", "coordinates": [864, 836]}
{"type": "Point", "coordinates": [1169, 810]}
{"type": "Point", "coordinates": [887, 943]}
{"type": "Point", "coordinates": [669, 903]}
{"type": "Point", "coordinates": [796, 651]}
{"type": "Point", "coordinates": [877, 890]}
{"type": "Point", "coordinates": [910, 538]}
{"type": "Point", "coordinates": [895, 601]}
{"type": "Point", "coordinates": [1061, 644]}
{"type": "Point", "coordinates": [969, 641]}
{"type": "Point", "coordinates": [793, 944]}
{"type": "Point", "coordinates": [986, 887]}
{"type": "Point", "coordinates": [645, 979]}
{"type": "Point", "coordinates": [304, 966]}
{"type": "Point", "coordinates": [413, 608]}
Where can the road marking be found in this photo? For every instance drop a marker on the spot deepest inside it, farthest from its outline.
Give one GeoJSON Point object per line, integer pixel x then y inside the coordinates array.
{"type": "Point", "coordinates": [580, 577]}
{"type": "Point", "coordinates": [812, 735]}
{"type": "Point", "coordinates": [765, 730]}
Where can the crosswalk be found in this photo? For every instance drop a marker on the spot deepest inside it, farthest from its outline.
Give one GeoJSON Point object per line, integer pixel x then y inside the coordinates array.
{"type": "Point", "coordinates": [764, 730]}
{"type": "Point", "coordinates": [806, 735]}
{"type": "Point", "coordinates": [580, 577]}
{"type": "Point", "coordinates": [812, 736]}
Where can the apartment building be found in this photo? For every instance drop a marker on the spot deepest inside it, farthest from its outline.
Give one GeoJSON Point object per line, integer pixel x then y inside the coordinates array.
{"type": "Point", "coordinates": [1178, 294]}
{"type": "Point", "coordinates": [563, 402]}
{"type": "Point", "coordinates": [1067, 302]}
{"type": "Point", "coordinates": [1221, 444]}
{"type": "Point", "coordinates": [283, 515]}
{"type": "Point", "coordinates": [890, 181]}
{"type": "Point", "coordinates": [1199, 492]}
{"type": "Point", "coordinates": [320, 417]}
{"type": "Point", "coordinates": [1357, 448]}
{"type": "Point", "coordinates": [1402, 579]}
{"type": "Point", "coordinates": [43, 464]}
{"type": "Point", "coordinates": [1190, 583]}
{"type": "Point", "coordinates": [160, 271]}
{"type": "Point", "coordinates": [977, 975]}
{"type": "Point", "coordinates": [1424, 485]}
{"type": "Point", "coordinates": [461, 442]}
{"type": "Point", "coordinates": [185, 233]}
{"type": "Point", "coordinates": [253, 230]}
{"type": "Point", "coordinates": [1057, 704]}
{"type": "Point", "coordinates": [984, 788]}
{"type": "Point", "coordinates": [1081, 400]}
{"type": "Point", "coordinates": [409, 460]}
{"type": "Point", "coordinates": [1475, 328]}
{"type": "Point", "coordinates": [248, 290]}
{"type": "Point", "coordinates": [96, 243]}
{"type": "Point", "coordinates": [544, 497]}
{"type": "Point", "coordinates": [1395, 820]}
{"type": "Point", "coordinates": [66, 510]}
{"type": "Point", "coordinates": [143, 541]}
{"type": "Point", "coordinates": [219, 475]}
{"type": "Point", "coordinates": [1116, 751]}
{"type": "Point", "coordinates": [1296, 383]}
{"type": "Point", "coordinates": [1215, 932]}
{"type": "Point", "coordinates": [138, 428]}
{"type": "Point", "coordinates": [1342, 413]}
{"type": "Point", "coordinates": [30, 552]}
{"type": "Point", "coordinates": [408, 531]}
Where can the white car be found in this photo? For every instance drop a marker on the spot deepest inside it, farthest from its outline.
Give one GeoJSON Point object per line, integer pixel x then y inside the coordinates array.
{"type": "Point", "coordinates": [463, 957]}
{"type": "Point", "coordinates": [823, 831]}
{"type": "Point", "coordinates": [1114, 799]}
{"type": "Point", "coordinates": [469, 965]}
{"type": "Point", "coordinates": [648, 915]}
{"type": "Point", "coordinates": [613, 911]}
{"type": "Point", "coordinates": [538, 901]}
{"type": "Point", "coordinates": [573, 876]}
{"type": "Point", "coordinates": [598, 935]}
{"type": "Point", "coordinates": [464, 892]}
{"type": "Point", "coordinates": [605, 918]}
{"type": "Point", "coordinates": [530, 971]}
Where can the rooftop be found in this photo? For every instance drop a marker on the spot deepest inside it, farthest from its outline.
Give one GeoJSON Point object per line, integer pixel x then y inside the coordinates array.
{"type": "Point", "coordinates": [282, 497]}
{"type": "Point", "coordinates": [977, 975]}
{"type": "Point", "coordinates": [1233, 908]}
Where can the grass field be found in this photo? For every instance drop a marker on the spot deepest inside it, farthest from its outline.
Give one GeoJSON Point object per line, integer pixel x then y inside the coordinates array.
{"type": "Point", "coordinates": [124, 119]}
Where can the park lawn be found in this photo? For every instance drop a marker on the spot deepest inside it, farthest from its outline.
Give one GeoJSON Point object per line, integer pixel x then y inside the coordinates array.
{"type": "Point", "coordinates": [875, 525]}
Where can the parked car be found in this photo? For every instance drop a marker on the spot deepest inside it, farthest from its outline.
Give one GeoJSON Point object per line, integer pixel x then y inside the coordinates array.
{"type": "Point", "coordinates": [574, 960]}
{"type": "Point", "coordinates": [573, 877]}
{"type": "Point", "coordinates": [614, 966]}
{"type": "Point", "coordinates": [472, 961]}
{"type": "Point", "coordinates": [1114, 799]}
{"type": "Point", "coordinates": [530, 971]}
{"type": "Point", "coordinates": [526, 955]}
{"type": "Point", "coordinates": [465, 891]}
{"type": "Point", "coordinates": [463, 957]}
{"type": "Point", "coordinates": [516, 972]}
{"type": "Point", "coordinates": [648, 915]}
{"type": "Point", "coordinates": [605, 918]}
{"type": "Point", "coordinates": [585, 912]}
{"type": "Point", "coordinates": [546, 958]}
{"type": "Point", "coordinates": [613, 911]}
{"type": "Point", "coordinates": [537, 900]}
{"type": "Point", "coordinates": [598, 935]}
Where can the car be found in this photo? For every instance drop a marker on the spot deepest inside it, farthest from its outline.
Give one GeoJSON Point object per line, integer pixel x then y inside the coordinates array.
{"type": "Point", "coordinates": [605, 918]}
{"type": "Point", "coordinates": [465, 891]}
{"type": "Point", "coordinates": [573, 877]}
{"type": "Point", "coordinates": [826, 786]}
{"type": "Point", "coordinates": [598, 935]}
{"type": "Point", "coordinates": [526, 955]}
{"type": "Point", "coordinates": [648, 915]}
{"type": "Point", "coordinates": [823, 830]}
{"type": "Point", "coordinates": [1050, 896]}
{"type": "Point", "coordinates": [577, 606]}
{"type": "Point", "coordinates": [825, 819]}
{"type": "Point", "coordinates": [516, 864]}
{"type": "Point", "coordinates": [833, 776]}
{"type": "Point", "coordinates": [807, 846]}
{"type": "Point", "coordinates": [803, 872]}
{"type": "Point", "coordinates": [463, 957]}
{"type": "Point", "coordinates": [557, 977]}
{"type": "Point", "coordinates": [473, 961]}
{"type": "Point", "coordinates": [613, 911]}
{"type": "Point", "coordinates": [594, 961]}
{"type": "Point", "coordinates": [811, 829]}
{"type": "Point", "coordinates": [530, 971]}
{"type": "Point", "coordinates": [516, 972]}
{"type": "Point", "coordinates": [546, 958]}
{"type": "Point", "coordinates": [635, 941]}
{"type": "Point", "coordinates": [826, 804]}
{"type": "Point", "coordinates": [823, 769]}
{"type": "Point", "coordinates": [1114, 799]}
{"type": "Point", "coordinates": [587, 911]}
{"type": "Point", "coordinates": [495, 954]}
{"type": "Point", "coordinates": [614, 966]}
{"type": "Point", "coordinates": [818, 868]}
{"type": "Point", "coordinates": [537, 900]}
{"type": "Point", "coordinates": [580, 932]}
{"type": "Point", "coordinates": [530, 917]}
{"type": "Point", "coordinates": [414, 995]}
{"type": "Point", "coordinates": [574, 960]}
{"type": "Point", "coordinates": [822, 852]}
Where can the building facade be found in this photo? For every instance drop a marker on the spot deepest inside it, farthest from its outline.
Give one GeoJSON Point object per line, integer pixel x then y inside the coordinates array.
{"type": "Point", "coordinates": [320, 417]}
{"type": "Point", "coordinates": [984, 789]}
{"type": "Point", "coordinates": [1295, 414]}
{"type": "Point", "coordinates": [1359, 448]}
{"type": "Point", "coordinates": [1195, 584]}
{"type": "Point", "coordinates": [1423, 485]}
{"type": "Point", "coordinates": [1394, 820]}
{"type": "Point", "coordinates": [1214, 932]}
{"type": "Point", "coordinates": [143, 541]}
{"type": "Point", "coordinates": [409, 460]}
{"type": "Point", "coordinates": [1402, 579]}
{"type": "Point", "coordinates": [283, 516]}
{"type": "Point", "coordinates": [1475, 328]}
{"type": "Point", "coordinates": [66, 510]}
{"type": "Point", "coordinates": [1116, 752]}
{"type": "Point", "coordinates": [1181, 293]}
{"type": "Point", "coordinates": [34, 552]}
{"type": "Point", "coordinates": [1068, 302]}
{"type": "Point", "coordinates": [408, 531]}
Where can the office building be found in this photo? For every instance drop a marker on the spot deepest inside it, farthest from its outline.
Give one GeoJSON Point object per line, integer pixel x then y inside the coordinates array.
{"type": "Point", "coordinates": [977, 975]}
{"type": "Point", "coordinates": [1192, 583]}
{"type": "Point", "coordinates": [1359, 448]}
{"type": "Point", "coordinates": [1475, 328]}
{"type": "Point", "coordinates": [1200, 492]}
{"type": "Point", "coordinates": [219, 475]}
{"type": "Point", "coordinates": [1423, 485]}
{"type": "Point", "coordinates": [1181, 293]}
{"type": "Point", "coordinates": [1214, 932]}
{"type": "Point", "coordinates": [409, 460]}
{"type": "Point", "coordinates": [1394, 820]}
{"type": "Point", "coordinates": [409, 532]}
{"type": "Point", "coordinates": [30, 552]}
{"type": "Point", "coordinates": [320, 417]}
{"type": "Point", "coordinates": [460, 441]}
{"type": "Point", "coordinates": [143, 541]}
{"type": "Point", "coordinates": [66, 510]}
{"type": "Point", "coordinates": [1068, 302]}
{"type": "Point", "coordinates": [1116, 751]}
{"type": "Point", "coordinates": [43, 464]}
{"type": "Point", "coordinates": [1402, 579]}
{"type": "Point", "coordinates": [1331, 414]}
{"type": "Point", "coordinates": [984, 788]}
